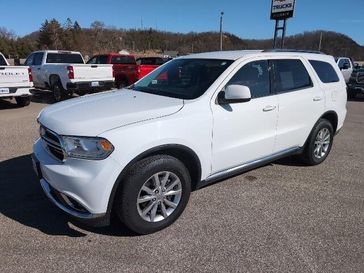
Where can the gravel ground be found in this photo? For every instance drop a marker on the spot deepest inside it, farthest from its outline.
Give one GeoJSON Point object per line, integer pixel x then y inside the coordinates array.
{"type": "Point", "coordinates": [283, 217]}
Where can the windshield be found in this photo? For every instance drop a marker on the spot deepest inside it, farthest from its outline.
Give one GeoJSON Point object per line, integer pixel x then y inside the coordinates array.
{"type": "Point", "coordinates": [183, 78]}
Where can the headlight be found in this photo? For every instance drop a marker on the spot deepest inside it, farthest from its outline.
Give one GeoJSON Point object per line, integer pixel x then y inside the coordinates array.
{"type": "Point", "coordinates": [93, 148]}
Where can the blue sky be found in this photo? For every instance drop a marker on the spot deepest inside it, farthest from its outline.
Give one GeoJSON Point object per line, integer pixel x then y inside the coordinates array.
{"type": "Point", "coordinates": [247, 19]}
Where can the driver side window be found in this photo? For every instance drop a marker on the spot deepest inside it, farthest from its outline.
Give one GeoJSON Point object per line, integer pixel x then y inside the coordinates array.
{"type": "Point", "coordinates": [254, 75]}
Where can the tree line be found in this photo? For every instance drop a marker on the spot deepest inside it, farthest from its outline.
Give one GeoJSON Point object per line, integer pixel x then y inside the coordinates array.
{"type": "Point", "coordinates": [98, 38]}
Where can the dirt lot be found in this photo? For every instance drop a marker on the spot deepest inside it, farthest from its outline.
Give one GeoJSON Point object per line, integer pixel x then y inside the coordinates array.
{"type": "Point", "coordinates": [283, 217]}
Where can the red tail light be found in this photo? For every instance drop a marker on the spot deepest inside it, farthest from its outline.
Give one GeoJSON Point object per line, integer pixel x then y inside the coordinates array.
{"type": "Point", "coordinates": [30, 74]}
{"type": "Point", "coordinates": [71, 72]}
{"type": "Point", "coordinates": [139, 72]}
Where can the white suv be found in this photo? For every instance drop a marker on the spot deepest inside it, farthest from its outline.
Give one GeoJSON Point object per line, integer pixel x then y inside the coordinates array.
{"type": "Point", "coordinates": [138, 152]}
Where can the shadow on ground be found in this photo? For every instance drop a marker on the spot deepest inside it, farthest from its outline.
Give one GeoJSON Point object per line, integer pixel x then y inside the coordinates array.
{"type": "Point", "coordinates": [22, 200]}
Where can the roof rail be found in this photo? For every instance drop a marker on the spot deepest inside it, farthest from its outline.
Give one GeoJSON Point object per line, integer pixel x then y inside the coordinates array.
{"type": "Point", "coordinates": [294, 50]}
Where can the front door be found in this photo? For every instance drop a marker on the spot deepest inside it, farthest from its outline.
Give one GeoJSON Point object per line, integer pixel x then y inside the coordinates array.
{"type": "Point", "coordinates": [244, 132]}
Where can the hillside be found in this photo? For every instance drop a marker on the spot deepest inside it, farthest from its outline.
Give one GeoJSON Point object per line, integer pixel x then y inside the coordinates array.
{"type": "Point", "coordinates": [99, 39]}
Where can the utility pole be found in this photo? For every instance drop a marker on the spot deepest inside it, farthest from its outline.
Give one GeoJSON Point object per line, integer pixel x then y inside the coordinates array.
{"type": "Point", "coordinates": [320, 44]}
{"type": "Point", "coordinates": [221, 25]}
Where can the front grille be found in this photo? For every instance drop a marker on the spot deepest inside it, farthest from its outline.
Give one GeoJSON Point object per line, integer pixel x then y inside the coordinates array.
{"type": "Point", "coordinates": [51, 142]}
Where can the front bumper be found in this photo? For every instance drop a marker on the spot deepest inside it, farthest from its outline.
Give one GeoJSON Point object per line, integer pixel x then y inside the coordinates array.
{"type": "Point", "coordinates": [81, 188]}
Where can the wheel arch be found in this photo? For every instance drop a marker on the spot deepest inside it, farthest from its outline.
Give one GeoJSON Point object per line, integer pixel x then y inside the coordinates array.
{"type": "Point", "coordinates": [185, 154]}
{"type": "Point", "coordinates": [332, 117]}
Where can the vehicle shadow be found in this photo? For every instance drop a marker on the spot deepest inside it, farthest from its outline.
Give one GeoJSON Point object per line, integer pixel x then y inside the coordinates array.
{"type": "Point", "coordinates": [7, 104]}
{"type": "Point", "coordinates": [22, 200]}
{"type": "Point", "coordinates": [42, 96]}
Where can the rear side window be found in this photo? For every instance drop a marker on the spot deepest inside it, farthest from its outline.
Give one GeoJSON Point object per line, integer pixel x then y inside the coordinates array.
{"type": "Point", "coordinates": [325, 71]}
{"type": "Point", "coordinates": [122, 60]}
{"type": "Point", "coordinates": [254, 75]}
{"type": "Point", "coordinates": [38, 58]}
{"type": "Point", "coordinates": [64, 58]}
{"type": "Point", "coordinates": [147, 61]}
{"type": "Point", "coordinates": [289, 75]}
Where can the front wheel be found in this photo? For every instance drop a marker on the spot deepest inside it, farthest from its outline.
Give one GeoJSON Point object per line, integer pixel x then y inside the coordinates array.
{"type": "Point", "coordinates": [154, 193]}
{"type": "Point", "coordinates": [319, 143]}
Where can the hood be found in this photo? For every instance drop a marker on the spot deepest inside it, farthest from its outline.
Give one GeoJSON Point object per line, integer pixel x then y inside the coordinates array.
{"type": "Point", "coordinates": [94, 114]}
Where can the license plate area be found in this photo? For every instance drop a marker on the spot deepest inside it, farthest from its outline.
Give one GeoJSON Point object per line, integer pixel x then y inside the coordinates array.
{"type": "Point", "coordinates": [95, 84]}
{"type": "Point", "coordinates": [4, 90]}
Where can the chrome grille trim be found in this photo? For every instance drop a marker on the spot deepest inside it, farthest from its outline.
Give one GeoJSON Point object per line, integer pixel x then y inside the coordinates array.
{"type": "Point", "coordinates": [52, 143]}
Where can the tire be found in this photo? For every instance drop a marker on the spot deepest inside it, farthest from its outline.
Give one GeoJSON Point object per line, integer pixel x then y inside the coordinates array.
{"type": "Point", "coordinates": [59, 93]}
{"type": "Point", "coordinates": [121, 83]}
{"type": "Point", "coordinates": [22, 101]}
{"type": "Point", "coordinates": [142, 175]}
{"type": "Point", "coordinates": [322, 136]}
{"type": "Point", "coordinates": [351, 94]}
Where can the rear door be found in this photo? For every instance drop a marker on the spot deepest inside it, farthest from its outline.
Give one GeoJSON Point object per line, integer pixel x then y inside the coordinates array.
{"type": "Point", "coordinates": [300, 98]}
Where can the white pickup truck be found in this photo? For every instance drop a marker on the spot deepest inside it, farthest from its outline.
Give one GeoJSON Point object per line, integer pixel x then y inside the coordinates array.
{"type": "Point", "coordinates": [15, 82]}
{"type": "Point", "coordinates": [346, 66]}
{"type": "Point", "coordinates": [65, 73]}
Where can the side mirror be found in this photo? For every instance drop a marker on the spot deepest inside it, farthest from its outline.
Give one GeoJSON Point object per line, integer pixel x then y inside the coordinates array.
{"type": "Point", "coordinates": [234, 94]}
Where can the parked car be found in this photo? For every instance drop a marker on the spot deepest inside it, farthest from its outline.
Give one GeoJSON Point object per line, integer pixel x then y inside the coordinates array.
{"type": "Point", "coordinates": [148, 64]}
{"type": "Point", "coordinates": [193, 121]}
{"type": "Point", "coordinates": [356, 83]}
{"type": "Point", "coordinates": [65, 73]}
{"type": "Point", "coordinates": [346, 66]}
{"type": "Point", "coordinates": [15, 82]}
{"type": "Point", "coordinates": [125, 69]}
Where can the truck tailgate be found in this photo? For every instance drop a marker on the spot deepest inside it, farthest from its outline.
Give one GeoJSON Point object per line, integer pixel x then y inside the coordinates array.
{"type": "Point", "coordinates": [14, 76]}
{"type": "Point", "coordinates": [87, 72]}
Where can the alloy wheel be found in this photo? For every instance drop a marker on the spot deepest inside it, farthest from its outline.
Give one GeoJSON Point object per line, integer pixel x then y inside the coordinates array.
{"type": "Point", "coordinates": [159, 196]}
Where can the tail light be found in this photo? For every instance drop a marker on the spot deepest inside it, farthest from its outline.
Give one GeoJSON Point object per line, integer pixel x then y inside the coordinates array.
{"type": "Point", "coordinates": [71, 72]}
{"type": "Point", "coordinates": [30, 75]}
{"type": "Point", "coordinates": [138, 72]}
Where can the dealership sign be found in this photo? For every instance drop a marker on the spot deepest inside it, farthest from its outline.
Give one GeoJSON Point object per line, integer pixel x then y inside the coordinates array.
{"type": "Point", "coordinates": [282, 9]}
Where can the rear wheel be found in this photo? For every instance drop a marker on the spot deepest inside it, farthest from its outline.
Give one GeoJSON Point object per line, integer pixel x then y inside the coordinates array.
{"type": "Point", "coordinates": [121, 83]}
{"type": "Point", "coordinates": [319, 143]}
{"type": "Point", "coordinates": [58, 92]}
{"type": "Point", "coordinates": [22, 101]}
{"type": "Point", "coordinates": [154, 193]}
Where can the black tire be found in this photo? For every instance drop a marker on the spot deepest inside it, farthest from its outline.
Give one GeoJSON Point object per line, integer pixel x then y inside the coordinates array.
{"type": "Point", "coordinates": [59, 93]}
{"type": "Point", "coordinates": [121, 83]}
{"type": "Point", "coordinates": [309, 155]}
{"type": "Point", "coordinates": [126, 206]}
{"type": "Point", "coordinates": [22, 101]}
{"type": "Point", "coordinates": [351, 94]}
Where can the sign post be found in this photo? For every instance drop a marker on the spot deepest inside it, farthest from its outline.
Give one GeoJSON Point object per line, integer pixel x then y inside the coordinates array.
{"type": "Point", "coordinates": [281, 10]}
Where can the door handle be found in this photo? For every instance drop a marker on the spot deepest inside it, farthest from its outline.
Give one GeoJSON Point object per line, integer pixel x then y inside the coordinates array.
{"type": "Point", "coordinates": [38, 68]}
{"type": "Point", "coordinates": [269, 108]}
{"type": "Point", "coordinates": [317, 98]}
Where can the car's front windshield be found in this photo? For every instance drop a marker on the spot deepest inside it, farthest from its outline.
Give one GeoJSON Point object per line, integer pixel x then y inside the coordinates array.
{"type": "Point", "coordinates": [183, 78]}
